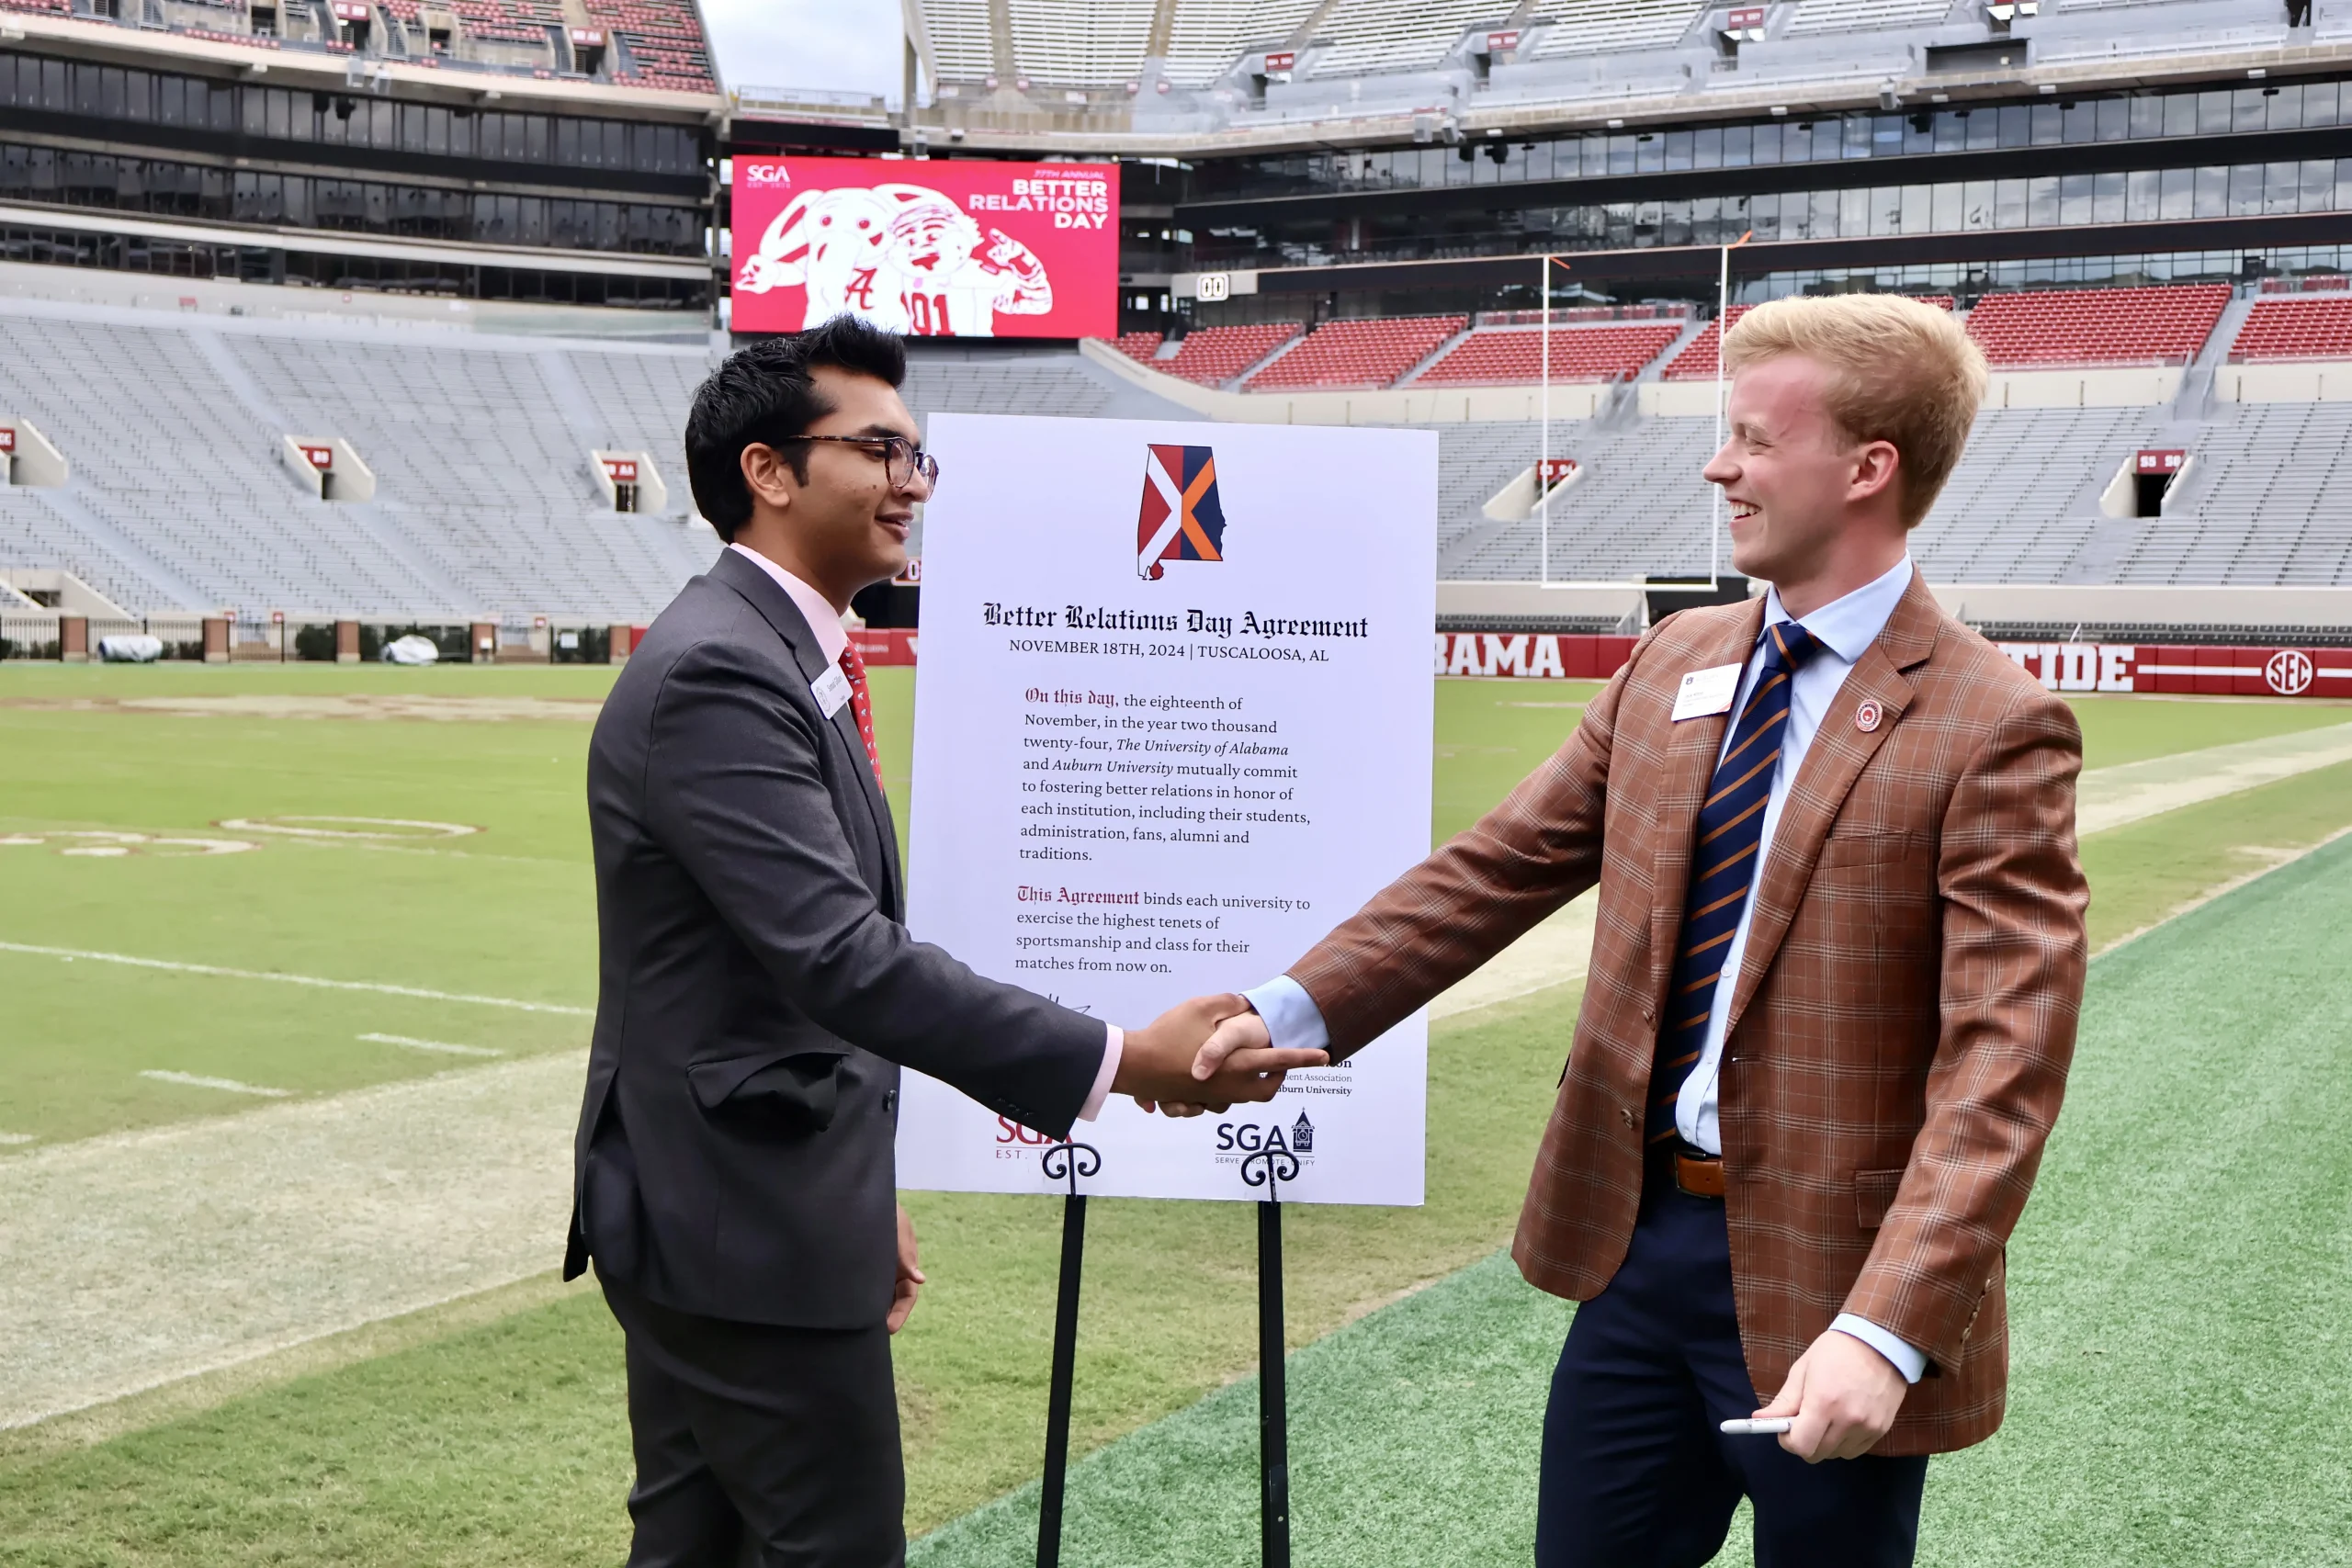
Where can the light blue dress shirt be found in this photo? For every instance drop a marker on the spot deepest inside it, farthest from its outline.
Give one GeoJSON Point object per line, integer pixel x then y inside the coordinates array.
{"type": "Point", "coordinates": [1845, 628]}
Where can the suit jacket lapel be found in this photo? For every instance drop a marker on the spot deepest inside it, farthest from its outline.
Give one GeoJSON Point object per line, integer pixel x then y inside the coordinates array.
{"type": "Point", "coordinates": [1692, 748]}
{"type": "Point", "coordinates": [775, 606]}
{"type": "Point", "coordinates": [1832, 764]}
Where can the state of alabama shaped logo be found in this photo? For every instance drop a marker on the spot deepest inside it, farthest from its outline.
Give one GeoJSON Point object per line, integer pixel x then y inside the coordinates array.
{"type": "Point", "coordinates": [1182, 518]}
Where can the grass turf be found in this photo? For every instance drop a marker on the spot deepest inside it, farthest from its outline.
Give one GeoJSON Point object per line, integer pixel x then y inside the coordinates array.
{"type": "Point", "coordinates": [452, 1472]}
{"type": "Point", "coordinates": [2181, 1294]}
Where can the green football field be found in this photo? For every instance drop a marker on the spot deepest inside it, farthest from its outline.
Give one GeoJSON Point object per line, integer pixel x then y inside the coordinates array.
{"type": "Point", "coordinates": [247, 899]}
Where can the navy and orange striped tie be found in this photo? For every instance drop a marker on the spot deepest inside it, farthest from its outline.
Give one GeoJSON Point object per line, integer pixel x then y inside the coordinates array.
{"type": "Point", "coordinates": [1723, 869]}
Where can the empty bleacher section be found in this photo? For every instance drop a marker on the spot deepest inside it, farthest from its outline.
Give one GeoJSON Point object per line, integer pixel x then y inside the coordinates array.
{"type": "Point", "coordinates": [1139, 346]}
{"type": "Point", "coordinates": [658, 44]}
{"type": "Point", "coordinates": [1369, 352]}
{"type": "Point", "coordinates": [944, 379]}
{"type": "Point", "coordinates": [1213, 355]}
{"type": "Point", "coordinates": [1856, 15]}
{"type": "Point", "coordinates": [2314, 327]}
{"type": "Point", "coordinates": [963, 44]}
{"type": "Point", "coordinates": [1397, 35]}
{"type": "Point", "coordinates": [507, 523]}
{"type": "Point", "coordinates": [2261, 505]}
{"type": "Point", "coordinates": [1506, 356]}
{"type": "Point", "coordinates": [1638, 508]}
{"type": "Point", "coordinates": [2023, 501]}
{"type": "Point", "coordinates": [1603, 26]}
{"type": "Point", "coordinates": [485, 501]}
{"type": "Point", "coordinates": [2265, 504]}
{"type": "Point", "coordinates": [2098, 326]}
{"type": "Point", "coordinates": [662, 44]}
{"type": "Point", "coordinates": [1208, 36]}
{"type": "Point", "coordinates": [1697, 361]}
{"type": "Point", "coordinates": [1102, 43]}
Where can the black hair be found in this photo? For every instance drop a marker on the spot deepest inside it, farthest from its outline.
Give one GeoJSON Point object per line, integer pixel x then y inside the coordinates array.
{"type": "Point", "coordinates": [762, 395]}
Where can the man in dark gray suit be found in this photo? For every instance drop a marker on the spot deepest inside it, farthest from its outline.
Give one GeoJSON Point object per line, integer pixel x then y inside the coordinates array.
{"type": "Point", "coordinates": [758, 993]}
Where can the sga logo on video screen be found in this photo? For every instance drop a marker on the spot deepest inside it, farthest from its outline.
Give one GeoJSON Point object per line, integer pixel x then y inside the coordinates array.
{"type": "Point", "coordinates": [928, 247]}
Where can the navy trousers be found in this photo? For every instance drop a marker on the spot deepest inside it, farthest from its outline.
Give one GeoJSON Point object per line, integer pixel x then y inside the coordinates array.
{"type": "Point", "coordinates": [1635, 1474]}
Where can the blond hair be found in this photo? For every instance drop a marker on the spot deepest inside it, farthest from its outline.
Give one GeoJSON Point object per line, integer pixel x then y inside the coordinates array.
{"type": "Point", "coordinates": [1900, 371]}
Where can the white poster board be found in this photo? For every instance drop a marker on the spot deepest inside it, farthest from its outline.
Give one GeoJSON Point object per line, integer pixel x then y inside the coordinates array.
{"type": "Point", "coordinates": [1172, 723]}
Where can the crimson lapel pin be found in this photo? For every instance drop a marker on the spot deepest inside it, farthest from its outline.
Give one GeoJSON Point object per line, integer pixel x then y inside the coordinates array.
{"type": "Point", "coordinates": [1867, 717]}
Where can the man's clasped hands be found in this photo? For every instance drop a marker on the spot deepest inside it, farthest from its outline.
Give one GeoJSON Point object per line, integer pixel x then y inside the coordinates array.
{"type": "Point", "coordinates": [1205, 1054]}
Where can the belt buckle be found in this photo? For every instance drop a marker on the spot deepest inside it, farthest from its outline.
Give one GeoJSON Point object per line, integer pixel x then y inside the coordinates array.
{"type": "Point", "coordinates": [1701, 1176]}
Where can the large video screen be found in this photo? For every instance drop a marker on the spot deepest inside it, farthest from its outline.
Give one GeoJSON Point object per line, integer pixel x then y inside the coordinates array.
{"type": "Point", "coordinates": [928, 247]}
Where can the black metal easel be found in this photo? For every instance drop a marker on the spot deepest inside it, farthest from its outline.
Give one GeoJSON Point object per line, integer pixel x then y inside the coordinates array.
{"type": "Point", "coordinates": [1064, 1161]}
{"type": "Point", "coordinates": [1268, 1167]}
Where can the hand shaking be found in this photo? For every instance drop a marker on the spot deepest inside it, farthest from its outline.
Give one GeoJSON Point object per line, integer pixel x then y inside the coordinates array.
{"type": "Point", "coordinates": [1206, 1053]}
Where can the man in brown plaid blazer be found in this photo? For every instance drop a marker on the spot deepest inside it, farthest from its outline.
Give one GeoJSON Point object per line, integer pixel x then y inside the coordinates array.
{"type": "Point", "coordinates": [1838, 957]}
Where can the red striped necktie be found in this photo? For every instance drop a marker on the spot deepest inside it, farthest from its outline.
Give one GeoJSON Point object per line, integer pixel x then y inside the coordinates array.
{"type": "Point", "coordinates": [862, 706]}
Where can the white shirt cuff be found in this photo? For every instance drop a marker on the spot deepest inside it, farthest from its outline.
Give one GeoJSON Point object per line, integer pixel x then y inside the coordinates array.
{"type": "Point", "coordinates": [1911, 1364]}
{"type": "Point", "coordinates": [1114, 1045]}
{"type": "Point", "coordinates": [1292, 1020]}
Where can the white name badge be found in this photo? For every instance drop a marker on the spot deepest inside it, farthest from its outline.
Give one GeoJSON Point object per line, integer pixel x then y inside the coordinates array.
{"type": "Point", "coordinates": [831, 689]}
{"type": "Point", "coordinates": [1706, 692]}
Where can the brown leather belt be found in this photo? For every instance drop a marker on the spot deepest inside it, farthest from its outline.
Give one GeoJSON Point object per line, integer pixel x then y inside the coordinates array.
{"type": "Point", "coordinates": [1700, 1175]}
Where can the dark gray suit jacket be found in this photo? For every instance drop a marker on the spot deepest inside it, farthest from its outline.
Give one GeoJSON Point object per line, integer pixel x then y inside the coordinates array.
{"type": "Point", "coordinates": [756, 991]}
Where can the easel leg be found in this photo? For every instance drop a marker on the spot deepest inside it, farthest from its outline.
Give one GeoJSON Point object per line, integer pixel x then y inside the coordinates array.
{"type": "Point", "coordinates": [1273, 1414]}
{"type": "Point", "coordinates": [1049, 1506]}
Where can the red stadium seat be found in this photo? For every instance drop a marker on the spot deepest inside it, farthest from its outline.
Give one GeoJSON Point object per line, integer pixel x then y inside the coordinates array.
{"type": "Point", "coordinates": [2098, 326]}
{"type": "Point", "coordinates": [1513, 356]}
{"type": "Point", "coordinates": [1213, 355]}
{"type": "Point", "coordinates": [1369, 352]}
{"type": "Point", "coordinates": [2312, 327]}
{"type": "Point", "coordinates": [1139, 347]}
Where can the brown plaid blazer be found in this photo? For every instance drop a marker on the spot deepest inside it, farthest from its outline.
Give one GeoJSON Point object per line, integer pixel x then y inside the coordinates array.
{"type": "Point", "coordinates": [1903, 1018]}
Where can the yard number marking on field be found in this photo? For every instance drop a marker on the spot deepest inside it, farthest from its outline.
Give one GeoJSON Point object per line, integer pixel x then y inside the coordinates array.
{"type": "Point", "coordinates": [444, 1046]}
{"type": "Point", "coordinates": [70, 954]}
{"type": "Point", "coordinates": [228, 1085]}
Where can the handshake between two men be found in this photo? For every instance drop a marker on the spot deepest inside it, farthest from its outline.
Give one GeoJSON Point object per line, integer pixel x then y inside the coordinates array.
{"type": "Point", "coordinates": [1206, 1054]}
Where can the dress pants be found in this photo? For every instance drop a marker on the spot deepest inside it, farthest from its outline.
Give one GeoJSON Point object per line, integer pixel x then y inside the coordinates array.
{"type": "Point", "coordinates": [1635, 1474]}
{"type": "Point", "coordinates": [760, 1447]}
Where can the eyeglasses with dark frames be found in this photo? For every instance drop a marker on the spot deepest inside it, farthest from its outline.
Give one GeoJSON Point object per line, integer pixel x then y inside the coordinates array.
{"type": "Point", "coordinates": [902, 460]}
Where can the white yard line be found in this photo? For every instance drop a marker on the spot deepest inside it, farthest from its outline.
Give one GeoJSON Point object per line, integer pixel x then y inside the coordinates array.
{"type": "Point", "coordinates": [227, 1086]}
{"type": "Point", "coordinates": [446, 1047]}
{"type": "Point", "coordinates": [313, 980]}
{"type": "Point", "coordinates": [1559, 950]}
{"type": "Point", "coordinates": [139, 1259]}
{"type": "Point", "coordinates": [2115, 798]}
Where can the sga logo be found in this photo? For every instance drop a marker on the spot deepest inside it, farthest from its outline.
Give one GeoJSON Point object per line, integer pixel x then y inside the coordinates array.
{"type": "Point", "coordinates": [1247, 1137]}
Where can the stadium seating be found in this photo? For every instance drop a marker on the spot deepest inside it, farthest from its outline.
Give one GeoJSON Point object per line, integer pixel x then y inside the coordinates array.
{"type": "Point", "coordinates": [1697, 360]}
{"type": "Point", "coordinates": [1369, 353]}
{"type": "Point", "coordinates": [2311, 327]}
{"type": "Point", "coordinates": [1513, 356]}
{"type": "Point", "coordinates": [2264, 504]}
{"type": "Point", "coordinates": [2098, 326]}
{"type": "Point", "coordinates": [484, 500]}
{"type": "Point", "coordinates": [663, 42]}
{"type": "Point", "coordinates": [1213, 355]}
{"type": "Point", "coordinates": [962, 42]}
{"type": "Point", "coordinates": [1139, 347]}
{"type": "Point", "coordinates": [1397, 35]}
{"type": "Point", "coordinates": [1091, 46]}
{"type": "Point", "coordinates": [1857, 16]}
{"type": "Point", "coordinates": [1602, 26]}
{"type": "Point", "coordinates": [1209, 35]}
